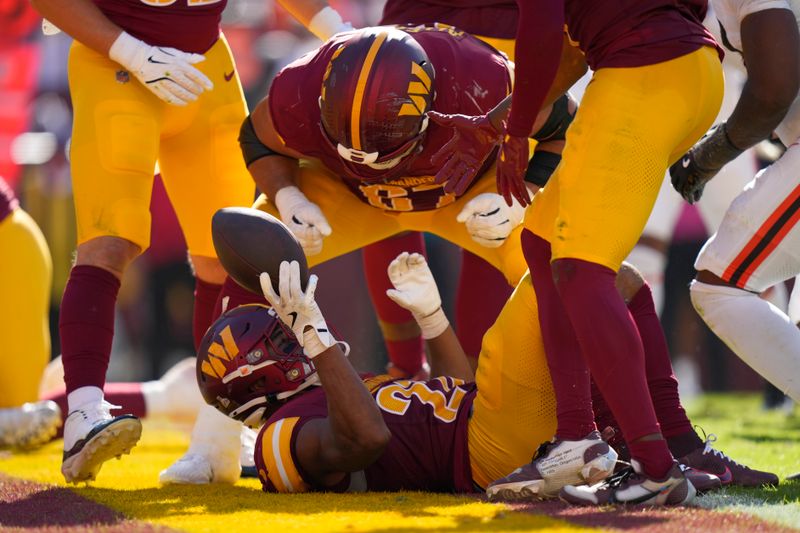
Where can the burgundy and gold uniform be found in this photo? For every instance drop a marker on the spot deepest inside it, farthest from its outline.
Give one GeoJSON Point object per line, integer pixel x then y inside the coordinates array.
{"type": "Point", "coordinates": [471, 77]}
{"type": "Point", "coordinates": [25, 280]}
{"type": "Point", "coordinates": [447, 435]}
{"type": "Point", "coordinates": [121, 129]}
{"type": "Point", "coordinates": [428, 449]}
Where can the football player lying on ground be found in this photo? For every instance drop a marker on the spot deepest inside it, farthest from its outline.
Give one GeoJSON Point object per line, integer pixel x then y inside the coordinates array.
{"type": "Point", "coordinates": [453, 433]}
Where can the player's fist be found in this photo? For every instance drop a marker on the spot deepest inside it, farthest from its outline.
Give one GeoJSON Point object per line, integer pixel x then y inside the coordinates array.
{"type": "Point", "coordinates": [297, 308]}
{"type": "Point", "coordinates": [702, 162]}
{"type": "Point", "coordinates": [416, 290]}
{"type": "Point", "coordinates": [304, 218]}
{"type": "Point", "coordinates": [166, 72]}
{"type": "Point", "coordinates": [688, 178]}
{"type": "Point", "coordinates": [489, 220]}
{"type": "Point", "coordinates": [463, 155]}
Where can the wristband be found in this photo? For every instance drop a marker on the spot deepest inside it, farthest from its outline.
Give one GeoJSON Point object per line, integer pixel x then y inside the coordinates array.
{"type": "Point", "coordinates": [541, 167]}
{"type": "Point", "coordinates": [327, 23]}
{"type": "Point", "coordinates": [433, 325]}
{"type": "Point", "coordinates": [313, 343]}
{"type": "Point", "coordinates": [125, 49]}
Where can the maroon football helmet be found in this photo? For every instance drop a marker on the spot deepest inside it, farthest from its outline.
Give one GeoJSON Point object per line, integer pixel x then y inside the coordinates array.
{"type": "Point", "coordinates": [249, 362]}
{"type": "Point", "coordinates": [375, 93]}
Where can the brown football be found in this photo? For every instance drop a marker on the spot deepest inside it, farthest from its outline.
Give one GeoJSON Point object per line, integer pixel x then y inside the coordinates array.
{"type": "Point", "coordinates": [249, 241]}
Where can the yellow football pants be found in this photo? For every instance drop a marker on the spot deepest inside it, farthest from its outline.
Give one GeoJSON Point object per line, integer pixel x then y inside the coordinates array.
{"type": "Point", "coordinates": [631, 125]}
{"type": "Point", "coordinates": [355, 224]}
{"type": "Point", "coordinates": [515, 409]}
{"type": "Point", "coordinates": [121, 129]}
{"type": "Point", "coordinates": [26, 273]}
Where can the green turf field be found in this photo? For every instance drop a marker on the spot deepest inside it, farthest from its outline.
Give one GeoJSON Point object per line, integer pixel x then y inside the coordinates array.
{"type": "Point", "coordinates": [764, 440]}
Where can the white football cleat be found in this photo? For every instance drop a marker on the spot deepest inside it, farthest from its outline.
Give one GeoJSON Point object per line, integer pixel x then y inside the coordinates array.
{"type": "Point", "coordinates": [30, 425]}
{"type": "Point", "coordinates": [213, 455]}
{"type": "Point", "coordinates": [176, 395]}
{"type": "Point", "coordinates": [247, 455]}
{"type": "Point", "coordinates": [92, 437]}
{"type": "Point", "coordinates": [557, 463]}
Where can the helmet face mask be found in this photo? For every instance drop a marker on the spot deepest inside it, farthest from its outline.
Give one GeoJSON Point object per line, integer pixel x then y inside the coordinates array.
{"type": "Point", "coordinates": [249, 363]}
{"type": "Point", "coordinates": [375, 95]}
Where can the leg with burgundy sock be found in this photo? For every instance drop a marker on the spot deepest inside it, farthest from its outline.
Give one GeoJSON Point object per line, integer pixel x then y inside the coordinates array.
{"type": "Point", "coordinates": [86, 325]}
{"type": "Point", "coordinates": [675, 424]}
{"type": "Point", "coordinates": [232, 295]}
{"type": "Point", "coordinates": [568, 370]}
{"type": "Point", "coordinates": [205, 300]}
{"type": "Point", "coordinates": [482, 293]}
{"type": "Point", "coordinates": [613, 350]}
{"type": "Point", "coordinates": [404, 343]}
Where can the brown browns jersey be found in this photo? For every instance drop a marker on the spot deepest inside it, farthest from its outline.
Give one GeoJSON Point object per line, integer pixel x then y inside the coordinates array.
{"type": "Point", "coordinates": [428, 450]}
{"type": "Point", "coordinates": [188, 25]}
{"type": "Point", "coordinates": [471, 78]}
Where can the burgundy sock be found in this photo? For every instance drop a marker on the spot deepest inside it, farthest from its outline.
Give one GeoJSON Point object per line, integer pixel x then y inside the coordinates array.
{"type": "Point", "coordinates": [127, 395]}
{"type": "Point", "coordinates": [613, 350]}
{"type": "Point", "coordinates": [86, 325]}
{"type": "Point", "coordinates": [568, 369]}
{"type": "Point", "coordinates": [684, 443]}
{"type": "Point", "coordinates": [660, 378]}
{"type": "Point", "coordinates": [482, 293]}
{"type": "Point", "coordinates": [205, 299]}
{"type": "Point", "coordinates": [407, 354]}
{"type": "Point", "coordinates": [237, 295]}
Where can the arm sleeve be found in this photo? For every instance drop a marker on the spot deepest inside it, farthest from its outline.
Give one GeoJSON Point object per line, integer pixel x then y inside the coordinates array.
{"type": "Point", "coordinates": [537, 50]}
{"type": "Point", "coordinates": [748, 7]}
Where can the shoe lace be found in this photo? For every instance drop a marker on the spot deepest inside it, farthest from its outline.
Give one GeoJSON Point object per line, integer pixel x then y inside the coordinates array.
{"type": "Point", "coordinates": [543, 449]}
{"type": "Point", "coordinates": [618, 478]}
{"type": "Point", "coordinates": [710, 439]}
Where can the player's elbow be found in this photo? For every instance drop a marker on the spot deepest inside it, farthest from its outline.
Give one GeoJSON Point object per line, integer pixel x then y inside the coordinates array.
{"type": "Point", "coordinates": [376, 441]}
{"type": "Point", "coordinates": [366, 447]}
{"type": "Point", "coordinates": [774, 97]}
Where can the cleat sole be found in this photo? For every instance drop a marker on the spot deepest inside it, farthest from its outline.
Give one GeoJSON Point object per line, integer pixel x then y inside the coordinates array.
{"type": "Point", "coordinates": [113, 441]}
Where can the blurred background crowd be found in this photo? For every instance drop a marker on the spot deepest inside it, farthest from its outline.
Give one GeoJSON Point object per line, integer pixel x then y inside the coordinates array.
{"type": "Point", "coordinates": [154, 315]}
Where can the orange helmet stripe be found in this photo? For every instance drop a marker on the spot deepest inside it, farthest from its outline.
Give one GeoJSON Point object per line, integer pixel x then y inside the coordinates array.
{"type": "Point", "coordinates": [361, 85]}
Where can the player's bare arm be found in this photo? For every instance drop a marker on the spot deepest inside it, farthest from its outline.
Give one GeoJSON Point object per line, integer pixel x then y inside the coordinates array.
{"type": "Point", "coordinates": [771, 52]}
{"type": "Point", "coordinates": [318, 16]}
{"type": "Point", "coordinates": [273, 167]}
{"type": "Point", "coordinates": [354, 434]}
{"type": "Point", "coordinates": [82, 20]}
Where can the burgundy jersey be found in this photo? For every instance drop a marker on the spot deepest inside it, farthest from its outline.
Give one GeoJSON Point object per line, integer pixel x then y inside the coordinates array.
{"type": "Point", "coordinates": [8, 202]}
{"type": "Point", "coordinates": [188, 25]}
{"type": "Point", "coordinates": [633, 33]}
{"type": "Point", "coordinates": [471, 78]}
{"type": "Point", "coordinates": [487, 18]}
{"type": "Point", "coordinates": [428, 449]}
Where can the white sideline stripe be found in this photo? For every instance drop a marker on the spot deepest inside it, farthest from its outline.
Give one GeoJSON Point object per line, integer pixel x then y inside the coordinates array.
{"type": "Point", "coordinates": [276, 453]}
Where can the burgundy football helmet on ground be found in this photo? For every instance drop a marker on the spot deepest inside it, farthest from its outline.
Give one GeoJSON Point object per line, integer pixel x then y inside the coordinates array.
{"type": "Point", "coordinates": [249, 362]}
{"type": "Point", "coordinates": [375, 93]}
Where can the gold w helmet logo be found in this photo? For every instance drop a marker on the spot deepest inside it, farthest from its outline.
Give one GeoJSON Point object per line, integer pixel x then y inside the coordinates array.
{"type": "Point", "coordinates": [214, 366]}
{"type": "Point", "coordinates": [419, 88]}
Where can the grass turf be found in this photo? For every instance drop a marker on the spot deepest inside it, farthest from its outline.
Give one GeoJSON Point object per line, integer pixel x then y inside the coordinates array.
{"type": "Point", "coordinates": [768, 441]}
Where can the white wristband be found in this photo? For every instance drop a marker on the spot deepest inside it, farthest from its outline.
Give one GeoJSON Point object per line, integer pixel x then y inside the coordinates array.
{"type": "Point", "coordinates": [124, 49]}
{"type": "Point", "coordinates": [287, 199]}
{"type": "Point", "coordinates": [327, 23]}
{"type": "Point", "coordinates": [433, 325]}
{"type": "Point", "coordinates": [313, 343]}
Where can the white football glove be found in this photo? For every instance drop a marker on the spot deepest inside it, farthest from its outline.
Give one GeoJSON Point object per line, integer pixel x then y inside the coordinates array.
{"type": "Point", "coordinates": [416, 290]}
{"type": "Point", "coordinates": [297, 309]}
{"type": "Point", "coordinates": [304, 218]}
{"type": "Point", "coordinates": [490, 220]}
{"type": "Point", "coordinates": [167, 72]}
